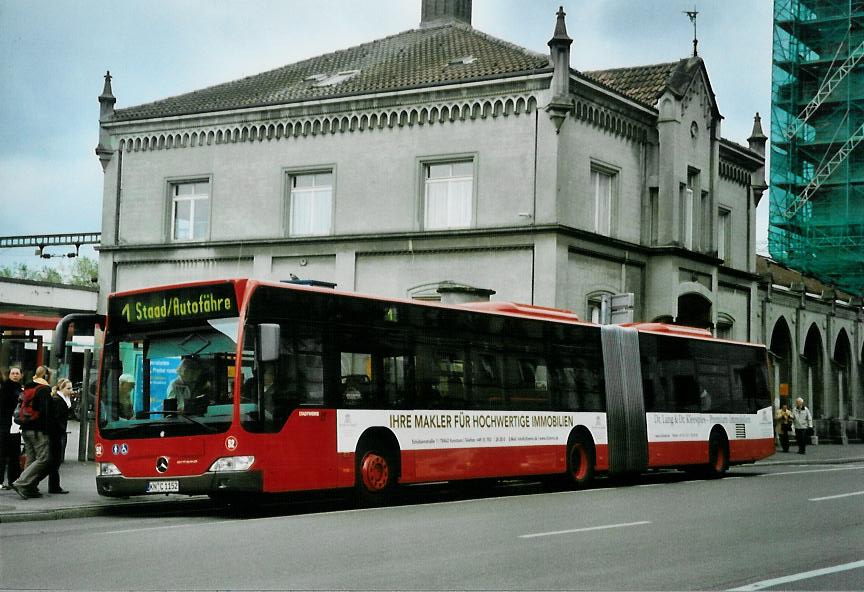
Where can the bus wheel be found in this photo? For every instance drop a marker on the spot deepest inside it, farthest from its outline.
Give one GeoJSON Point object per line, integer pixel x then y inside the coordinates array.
{"type": "Point", "coordinates": [376, 474]}
{"type": "Point", "coordinates": [580, 460]}
{"type": "Point", "coordinates": [718, 454]}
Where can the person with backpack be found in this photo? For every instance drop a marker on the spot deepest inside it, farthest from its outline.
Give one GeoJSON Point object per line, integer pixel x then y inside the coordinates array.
{"type": "Point", "coordinates": [32, 414]}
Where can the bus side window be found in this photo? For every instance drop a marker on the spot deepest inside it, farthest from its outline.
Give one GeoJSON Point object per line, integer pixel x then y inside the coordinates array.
{"type": "Point", "coordinates": [357, 388]}
{"type": "Point", "coordinates": [440, 378]}
{"type": "Point", "coordinates": [579, 382]}
{"type": "Point", "coordinates": [527, 382]}
{"type": "Point", "coordinates": [487, 387]}
{"type": "Point", "coordinates": [686, 392]}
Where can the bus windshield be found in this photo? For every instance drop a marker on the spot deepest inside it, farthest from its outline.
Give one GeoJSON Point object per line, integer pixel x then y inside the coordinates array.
{"type": "Point", "coordinates": [169, 382]}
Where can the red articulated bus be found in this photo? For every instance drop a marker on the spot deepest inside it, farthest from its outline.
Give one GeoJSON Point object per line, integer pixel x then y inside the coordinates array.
{"type": "Point", "coordinates": [235, 387]}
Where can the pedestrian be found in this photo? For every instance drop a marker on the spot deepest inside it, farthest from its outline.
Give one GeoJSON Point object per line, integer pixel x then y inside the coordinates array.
{"type": "Point", "coordinates": [34, 411]}
{"type": "Point", "coordinates": [784, 425]}
{"type": "Point", "coordinates": [803, 422]}
{"type": "Point", "coordinates": [61, 401]}
{"type": "Point", "coordinates": [10, 434]}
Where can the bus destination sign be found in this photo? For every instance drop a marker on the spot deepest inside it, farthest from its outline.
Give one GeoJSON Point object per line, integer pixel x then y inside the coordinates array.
{"type": "Point", "coordinates": [170, 306]}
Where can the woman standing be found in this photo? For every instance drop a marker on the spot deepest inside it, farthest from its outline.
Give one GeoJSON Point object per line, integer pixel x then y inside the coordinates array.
{"type": "Point", "coordinates": [61, 401]}
{"type": "Point", "coordinates": [10, 432]}
{"type": "Point", "coordinates": [784, 421]}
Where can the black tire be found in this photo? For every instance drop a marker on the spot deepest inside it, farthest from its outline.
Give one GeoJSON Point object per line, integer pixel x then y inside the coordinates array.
{"type": "Point", "coordinates": [376, 474]}
{"type": "Point", "coordinates": [718, 454]}
{"type": "Point", "coordinates": [581, 458]}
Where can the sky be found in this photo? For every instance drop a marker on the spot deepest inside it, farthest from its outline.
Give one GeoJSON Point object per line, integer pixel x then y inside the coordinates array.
{"type": "Point", "coordinates": [55, 54]}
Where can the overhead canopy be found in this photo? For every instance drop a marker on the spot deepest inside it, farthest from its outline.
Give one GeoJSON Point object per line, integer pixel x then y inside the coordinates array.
{"type": "Point", "coordinates": [17, 320]}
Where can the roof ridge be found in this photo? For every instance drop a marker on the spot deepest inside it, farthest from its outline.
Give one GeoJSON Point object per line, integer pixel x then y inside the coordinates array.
{"type": "Point", "coordinates": [620, 68]}
{"type": "Point", "coordinates": [278, 68]}
{"type": "Point", "coordinates": [503, 42]}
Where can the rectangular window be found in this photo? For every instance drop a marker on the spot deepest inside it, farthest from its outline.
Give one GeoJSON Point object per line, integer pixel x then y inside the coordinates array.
{"type": "Point", "coordinates": [448, 195]}
{"type": "Point", "coordinates": [687, 217]}
{"type": "Point", "coordinates": [311, 209]}
{"type": "Point", "coordinates": [706, 222]}
{"type": "Point", "coordinates": [601, 184]}
{"type": "Point", "coordinates": [687, 206]}
{"type": "Point", "coordinates": [724, 236]}
{"type": "Point", "coordinates": [654, 213]}
{"type": "Point", "coordinates": [190, 211]}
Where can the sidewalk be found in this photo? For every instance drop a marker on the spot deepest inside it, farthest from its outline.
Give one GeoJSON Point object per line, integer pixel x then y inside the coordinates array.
{"type": "Point", "coordinates": [79, 478]}
{"type": "Point", "coordinates": [83, 501]}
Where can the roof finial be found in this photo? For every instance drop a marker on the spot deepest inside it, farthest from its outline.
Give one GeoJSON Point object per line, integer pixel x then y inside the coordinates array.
{"type": "Point", "coordinates": [692, 14]}
{"type": "Point", "coordinates": [757, 137]}
{"type": "Point", "coordinates": [106, 90]}
{"type": "Point", "coordinates": [561, 27]}
{"type": "Point", "coordinates": [559, 54]}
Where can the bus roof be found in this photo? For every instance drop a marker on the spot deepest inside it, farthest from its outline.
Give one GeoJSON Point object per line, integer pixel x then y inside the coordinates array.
{"type": "Point", "coordinates": [504, 308]}
{"type": "Point", "coordinates": [527, 310]}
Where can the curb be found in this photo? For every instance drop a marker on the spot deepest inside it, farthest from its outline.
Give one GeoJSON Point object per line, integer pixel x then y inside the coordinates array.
{"type": "Point", "coordinates": [809, 461]}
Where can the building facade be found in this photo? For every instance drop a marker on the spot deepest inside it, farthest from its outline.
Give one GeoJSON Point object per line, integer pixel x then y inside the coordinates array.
{"type": "Point", "coordinates": [443, 156]}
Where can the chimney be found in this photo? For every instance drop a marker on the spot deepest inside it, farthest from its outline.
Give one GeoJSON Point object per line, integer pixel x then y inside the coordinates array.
{"type": "Point", "coordinates": [435, 13]}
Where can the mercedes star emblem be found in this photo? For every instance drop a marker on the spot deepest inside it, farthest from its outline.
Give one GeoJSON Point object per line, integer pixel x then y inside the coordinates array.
{"type": "Point", "coordinates": [162, 464]}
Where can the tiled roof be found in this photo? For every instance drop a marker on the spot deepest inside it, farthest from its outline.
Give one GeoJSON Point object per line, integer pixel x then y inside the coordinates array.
{"type": "Point", "coordinates": [641, 83]}
{"type": "Point", "coordinates": [645, 84]}
{"type": "Point", "coordinates": [415, 58]}
{"type": "Point", "coordinates": [784, 276]}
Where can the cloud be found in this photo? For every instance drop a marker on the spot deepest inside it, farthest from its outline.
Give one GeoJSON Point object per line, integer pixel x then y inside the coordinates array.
{"type": "Point", "coordinates": [55, 53]}
{"type": "Point", "coordinates": [50, 197]}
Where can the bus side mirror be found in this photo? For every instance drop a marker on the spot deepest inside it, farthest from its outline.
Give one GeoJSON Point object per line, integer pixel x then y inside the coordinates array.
{"type": "Point", "coordinates": [268, 342]}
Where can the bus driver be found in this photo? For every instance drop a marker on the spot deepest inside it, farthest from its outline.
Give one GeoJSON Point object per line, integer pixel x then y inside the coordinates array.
{"type": "Point", "coordinates": [189, 386]}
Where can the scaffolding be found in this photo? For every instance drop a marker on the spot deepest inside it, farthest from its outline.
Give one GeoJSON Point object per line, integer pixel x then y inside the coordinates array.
{"type": "Point", "coordinates": [816, 221]}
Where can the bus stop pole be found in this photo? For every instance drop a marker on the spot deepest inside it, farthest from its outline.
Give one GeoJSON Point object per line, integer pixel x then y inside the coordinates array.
{"type": "Point", "coordinates": [83, 409]}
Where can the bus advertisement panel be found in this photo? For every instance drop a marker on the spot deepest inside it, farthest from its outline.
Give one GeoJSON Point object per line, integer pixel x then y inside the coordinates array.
{"type": "Point", "coordinates": [244, 386]}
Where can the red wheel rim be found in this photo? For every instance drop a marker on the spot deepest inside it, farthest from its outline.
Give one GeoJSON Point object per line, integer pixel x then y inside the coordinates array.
{"type": "Point", "coordinates": [375, 472]}
{"type": "Point", "coordinates": [720, 459]}
{"type": "Point", "coordinates": [578, 462]}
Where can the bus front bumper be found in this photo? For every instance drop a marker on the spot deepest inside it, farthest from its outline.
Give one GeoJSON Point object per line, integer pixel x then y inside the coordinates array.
{"type": "Point", "coordinates": [214, 484]}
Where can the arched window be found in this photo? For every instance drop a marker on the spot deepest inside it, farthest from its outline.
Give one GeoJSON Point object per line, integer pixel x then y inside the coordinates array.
{"type": "Point", "coordinates": [725, 323]}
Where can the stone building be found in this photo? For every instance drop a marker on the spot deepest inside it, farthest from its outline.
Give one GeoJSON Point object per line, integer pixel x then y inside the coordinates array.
{"type": "Point", "coordinates": [814, 333]}
{"type": "Point", "coordinates": [443, 156]}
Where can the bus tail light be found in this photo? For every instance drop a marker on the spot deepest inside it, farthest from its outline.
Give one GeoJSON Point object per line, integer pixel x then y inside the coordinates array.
{"type": "Point", "coordinates": [108, 470]}
{"type": "Point", "coordinates": [231, 463]}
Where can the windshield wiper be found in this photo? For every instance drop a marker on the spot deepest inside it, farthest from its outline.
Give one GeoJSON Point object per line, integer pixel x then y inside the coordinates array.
{"type": "Point", "coordinates": [188, 418]}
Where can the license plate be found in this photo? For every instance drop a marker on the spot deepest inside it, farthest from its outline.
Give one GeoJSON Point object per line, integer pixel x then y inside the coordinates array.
{"type": "Point", "coordinates": [163, 487]}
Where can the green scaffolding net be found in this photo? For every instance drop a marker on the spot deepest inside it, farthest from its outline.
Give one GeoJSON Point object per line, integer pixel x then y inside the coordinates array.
{"type": "Point", "coordinates": [816, 223]}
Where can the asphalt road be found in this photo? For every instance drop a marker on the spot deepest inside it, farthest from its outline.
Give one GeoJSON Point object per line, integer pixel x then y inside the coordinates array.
{"type": "Point", "coordinates": [761, 528]}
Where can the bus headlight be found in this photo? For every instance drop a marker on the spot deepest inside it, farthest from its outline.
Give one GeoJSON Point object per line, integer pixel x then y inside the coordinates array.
{"type": "Point", "coordinates": [232, 463]}
{"type": "Point", "coordinates": [108, 470]}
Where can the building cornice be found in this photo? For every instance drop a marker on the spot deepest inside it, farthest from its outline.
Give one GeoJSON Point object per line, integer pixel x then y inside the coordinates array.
{"type": "Point", "coordinates": [289, 108]}
{"type": "Point", "coordinates": [601, 246]}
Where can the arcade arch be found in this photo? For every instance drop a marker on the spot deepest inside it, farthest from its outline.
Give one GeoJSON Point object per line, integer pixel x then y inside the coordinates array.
{"type": "Point", "coordinates": [782, 360]}
{"type": "Point", "coordinates": [811, 374]}
{"type": "Point", "coordinates": [842, 374]}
